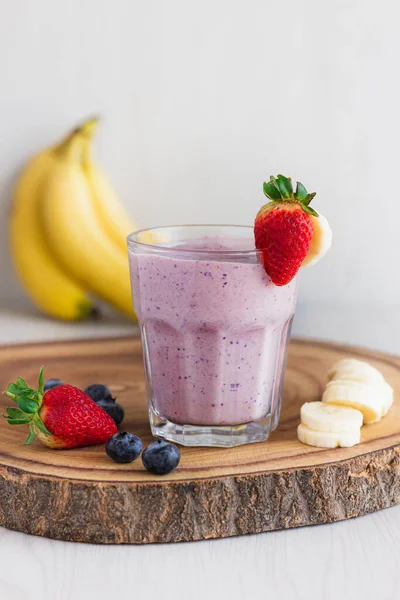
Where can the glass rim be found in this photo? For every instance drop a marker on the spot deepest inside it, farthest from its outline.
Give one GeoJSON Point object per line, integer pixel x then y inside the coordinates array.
{"type": "Point", "coordinates": [132, 241]}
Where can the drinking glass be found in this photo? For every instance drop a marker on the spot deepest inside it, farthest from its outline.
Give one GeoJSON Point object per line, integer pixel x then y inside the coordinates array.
{"type": "Point", "coordinates": [215, 331]}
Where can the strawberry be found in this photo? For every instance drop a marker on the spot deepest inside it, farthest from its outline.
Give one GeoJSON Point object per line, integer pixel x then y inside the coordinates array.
{"type": "Point", "coordinates": [62, 417]}
{"type": "Point", "coordinates": [283, 228]}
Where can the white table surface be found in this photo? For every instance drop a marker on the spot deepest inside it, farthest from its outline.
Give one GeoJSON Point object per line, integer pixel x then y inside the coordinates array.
{"type": "Point", "coordinates": [351, 560]}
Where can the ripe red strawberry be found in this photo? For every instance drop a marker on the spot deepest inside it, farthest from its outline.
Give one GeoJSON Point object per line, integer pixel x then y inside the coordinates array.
{"type": "Point", "coordinates": [62, 417]}
{"type": "Point", "coordinates": [283, 228]}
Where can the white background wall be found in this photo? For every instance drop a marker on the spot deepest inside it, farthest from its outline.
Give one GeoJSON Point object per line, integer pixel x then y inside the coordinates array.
{"type": "Point", "coordinates": [203, 99]}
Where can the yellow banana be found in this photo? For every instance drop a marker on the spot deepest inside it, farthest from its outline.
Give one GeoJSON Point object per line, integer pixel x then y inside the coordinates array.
{"type": "Point", "coordinates": [112, 215]}
{"type": "Point", "coordinates": [76, 234]}
{"type": "Point", "coordinates": [49, 286]}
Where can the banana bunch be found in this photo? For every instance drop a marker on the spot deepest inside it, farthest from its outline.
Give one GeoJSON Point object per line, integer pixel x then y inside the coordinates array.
{"type": "Point", "coordinates": [356, 393]}
{"type": "Point", "coordinates": [68, 230]}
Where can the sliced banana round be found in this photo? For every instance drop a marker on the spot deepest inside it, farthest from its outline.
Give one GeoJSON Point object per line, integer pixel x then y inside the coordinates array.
{"type": "Point", "coordinates": [388, 398]}
{"type": "Point", "coordinates": [328, 439]}
{"type": "Point", "coordinates": [368, 399]}
{"type": "Point", "coordinates": [321, 416]}
{"type": "Point", "coordinates": [352, 369]}
{"type": "Point", "coordinates": [321, 241]}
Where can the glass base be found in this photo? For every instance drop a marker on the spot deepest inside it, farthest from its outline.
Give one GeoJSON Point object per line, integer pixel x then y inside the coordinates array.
{"type": "Point", "coordinates": [224, 436]}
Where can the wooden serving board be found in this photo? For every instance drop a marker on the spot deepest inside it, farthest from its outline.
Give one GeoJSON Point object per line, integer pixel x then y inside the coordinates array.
{"type": "Point", "coordinates": [81, 495]}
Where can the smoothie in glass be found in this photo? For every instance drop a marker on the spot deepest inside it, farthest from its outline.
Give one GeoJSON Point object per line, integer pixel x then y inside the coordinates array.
{"type": "Point", "coordinates": [215, 331]}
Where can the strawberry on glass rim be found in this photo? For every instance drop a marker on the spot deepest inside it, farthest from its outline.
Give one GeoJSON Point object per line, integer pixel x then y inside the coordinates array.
{"type": "Point", "coordinates": [288, 231]}
{"type": "Point", "coordinates": [62, 417]}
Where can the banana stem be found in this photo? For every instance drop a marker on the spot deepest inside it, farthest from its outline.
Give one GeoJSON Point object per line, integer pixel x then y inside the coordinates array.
{"type": "Point", "coordinates": [89, 126]}
{"type": "Point", "coordinates": [76, 144]}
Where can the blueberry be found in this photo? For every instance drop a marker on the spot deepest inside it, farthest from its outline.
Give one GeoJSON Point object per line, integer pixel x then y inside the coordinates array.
{"type": "Point", "coordinates": [113, 409]}
{"type": "Point", "coordinates": [161, 457]}
{"type": "Point", "coordinates": [50, 383]}
{"type": "Point", "coordinates": [124, 447]}
{"type": "Point", "coordinates": [98, 391]}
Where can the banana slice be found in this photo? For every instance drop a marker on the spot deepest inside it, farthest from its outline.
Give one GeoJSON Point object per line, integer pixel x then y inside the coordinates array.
{"type": "Point", "coordinates": [321, 241]}
{"type": "Point", "coordinates": [368, 399]}
{"type": "Point", "coordinates": [388, 398]}
{"type": "Point", "coordinates": [330, 418]}
{"type": "Point", "coordinates": [328, 439]}
{"type": "Point", "coordinates": [352, 369]}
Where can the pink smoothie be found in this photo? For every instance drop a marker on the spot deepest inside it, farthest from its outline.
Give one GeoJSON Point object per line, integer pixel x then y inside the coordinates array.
{"type": "Point", "coordinates": [215, 330]}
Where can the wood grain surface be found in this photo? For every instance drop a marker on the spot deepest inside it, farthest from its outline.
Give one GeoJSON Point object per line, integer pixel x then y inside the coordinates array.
{"type": "Point", "coordinates": [81, 495]}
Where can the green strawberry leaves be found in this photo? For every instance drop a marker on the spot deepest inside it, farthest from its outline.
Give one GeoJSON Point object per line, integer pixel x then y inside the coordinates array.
{"type": "Point", "coordinates": [29, 402]}
{"type": "Point", "coordinates": [40, 425]}
{"type": "Point", "coordinates": [21, 384]}
{"type": "Point", "coordinates": [308, 198]}
{"type": "Point", "coordinates": [35, 423]}
{"type": "Point", "coordinates": [31, 435]}
{"type": "Point", "coordinates": [12, 391]}
{"type": "Point", "coordinates": [271, 191]}
{"type": "Point", "coordinates": [309, 210]}
{"type": "Point", "coordinates": [16, 413]}
{"type": "Point", "coordinates": [27, 398]}
{"type": "Point", "coordinates": [16, 416]}
{"type": "Point", "coordinates": [280, 189]}
{"type": "Point", "coordinates": [41, 381]}
{"type": "Point", "coordinates": [301, 192]}
{"type": "Point", "coordinates": [285, 186]}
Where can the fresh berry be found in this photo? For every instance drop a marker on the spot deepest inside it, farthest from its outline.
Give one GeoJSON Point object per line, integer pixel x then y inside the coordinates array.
{"type": "Point", "coordinates": [113, 409]}
{"type": "Point", "coordinates": [161, 457]}
{"type": "Point", "coordinates": [98, 391]}
{"type": "Point", "coordinates": [124, 447]}
{"type": "Point", "coordinates": [62, 417]}
{"type": "Point", "coordinates": [283, 228]}
{"type": "Point", "coordinates": [50, 383]}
